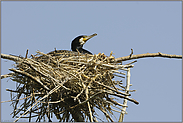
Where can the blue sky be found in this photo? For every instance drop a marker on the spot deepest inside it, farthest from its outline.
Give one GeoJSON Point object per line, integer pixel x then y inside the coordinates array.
{"type": "Point", "coordinates": [144, 26]}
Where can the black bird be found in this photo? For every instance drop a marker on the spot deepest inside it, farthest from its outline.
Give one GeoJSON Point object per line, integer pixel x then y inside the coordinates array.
{"type": "Point", "coordinates": [76, 45]}
{"type": "Point", "coordinates": [78, 42]}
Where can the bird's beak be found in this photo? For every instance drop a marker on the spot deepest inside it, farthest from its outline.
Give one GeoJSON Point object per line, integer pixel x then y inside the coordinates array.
{"type": "Point", "coordinates": [86, 38]}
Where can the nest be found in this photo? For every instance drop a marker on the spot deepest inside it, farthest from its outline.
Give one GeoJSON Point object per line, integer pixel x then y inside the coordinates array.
{"type": "Point", "coordinates": [69, 85]}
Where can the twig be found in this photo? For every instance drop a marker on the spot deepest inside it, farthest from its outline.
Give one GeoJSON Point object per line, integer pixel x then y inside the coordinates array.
{"type": "Point", "coordinates": [7, 75]}
{"type": "Point", "coordinates": [132, 62]}
{"type": "Point", "coordinates": [118, 95]}
{"type": "Point", "coordinates": [11, 57]}
{"type": "Point", "coordinates": [115, 71]}
{"type": "Point", "coordinates": [131, 53]}
{"type": "Point", "coordinates": [106, 114]}
{"type": "Point", "coordinates": [26, 53]}
{"type": "Point", "coordinates": [16, 99]}
{"type": "Point", "coordinates": [123, 110]}
{"type": "Point", "coordinates": [91, 119]}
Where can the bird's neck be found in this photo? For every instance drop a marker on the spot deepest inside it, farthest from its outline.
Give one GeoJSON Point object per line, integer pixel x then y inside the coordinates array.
{"type": "Point", "coordinates": [78, 47]}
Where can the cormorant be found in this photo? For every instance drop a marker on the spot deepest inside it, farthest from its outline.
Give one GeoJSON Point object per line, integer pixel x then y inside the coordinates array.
{"type": "Point", "coordinates": [78, 42]}
{"type": "Point", "coordinates": [76, 45]}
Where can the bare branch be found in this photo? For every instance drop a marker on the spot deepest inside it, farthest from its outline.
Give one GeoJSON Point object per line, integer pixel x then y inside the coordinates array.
{"type": "Point", "coordinates": [11, 57]}
{"type": "Point", "coordinates": [130, 57]}
{"type": "Point", "coordinates": [7, 75]}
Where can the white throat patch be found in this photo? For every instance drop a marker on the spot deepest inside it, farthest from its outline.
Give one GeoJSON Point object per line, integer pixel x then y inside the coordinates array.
{"type": "Point", "coordinates": [81, 41]}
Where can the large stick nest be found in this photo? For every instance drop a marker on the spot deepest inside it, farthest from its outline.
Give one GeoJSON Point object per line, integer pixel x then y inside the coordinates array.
{"type": "Point", "coordinates": [69, 85]}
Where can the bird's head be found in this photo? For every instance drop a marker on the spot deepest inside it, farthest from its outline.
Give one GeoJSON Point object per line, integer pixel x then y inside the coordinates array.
{"type": "Point", "coordinates": [79, 41]}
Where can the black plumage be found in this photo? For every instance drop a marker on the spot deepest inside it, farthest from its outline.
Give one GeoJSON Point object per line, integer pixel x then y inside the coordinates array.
{"type": "Point", "coordinates": [78, 42]}
{"type": "Point", "coordinates": [76, 46]}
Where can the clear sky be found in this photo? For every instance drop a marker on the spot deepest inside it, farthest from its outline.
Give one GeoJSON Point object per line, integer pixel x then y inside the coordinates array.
{"type": "Point", "coordinates": [144, 26]}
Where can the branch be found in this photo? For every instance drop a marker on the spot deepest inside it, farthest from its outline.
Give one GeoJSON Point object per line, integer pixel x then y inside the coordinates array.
{"type": "Point", "coordinates": [7, 75]}
{"type": "Point", "coordinates": [130, 57]}
{"type": "Point", "coordinates": [11, 57]}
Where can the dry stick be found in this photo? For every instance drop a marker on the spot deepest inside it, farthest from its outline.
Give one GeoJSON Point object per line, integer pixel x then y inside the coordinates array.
{"type": "Point", "coordinates": [132, 62]}
{"type": "Point", "coordinates": [30, 76]}
{"type": "Point", "coordinates": [11, 57]}
{"type": "Point", "coordinates": [91, 119]}
{"type": "Point", "coordinates": [61, 100]}
{"type": "Point", "coordinates": [112, 82]}
{"type": "Point", "coordinates": [147, 55]}
{"type": "Point", "coordinates": [36, 101]}
{"type": "Point", "coordinates": [48, 113]}
{"type": "Point", "coordinates": [15, 99]}
{"type": "Point", "coordinates": [116, 110]}
{"type": "Point", "coordinates": [115, 71]}
{"type": "Point", "coordinates": [17, 91]}
{"type": "Point", "coordinates": [106, 114]}
{"type": "Point", "coordinates": [26, 53]}
{"type": "Point", "coordinates": [118, 95]}
{"type": "Point", "coordinates": [118, 76]}
{"type": "Point", "coordinates": [28, 117]}
{"type": "Point", "coordinates": [32, 90]}
{"type": "Point", "coordinates": [117, 66]}
{"type": "Point", "coordinates": [95, 119]}
{"type": "Point", "coordinates": [131, 53]}
{"type": "Point", "coordinates": [39, 93]}
{"type": "Point", "coordinates": [105, 65]}
{"type": "Point", "coordinates": [123, 110]}
{"type": "Point", "coordinates": [7, 75]}
{"type": "Point", "coordinates": [116, 103]}
{"type": "Point", "coordinates": [112, 102]}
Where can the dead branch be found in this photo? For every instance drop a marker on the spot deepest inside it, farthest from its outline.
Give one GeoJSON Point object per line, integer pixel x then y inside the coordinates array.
{"type": "Point", "coordinates": [7, 75]}
{"type": "Point", "coordinates": [11, 57]}
{"type": "Point", "coordinates": [130, 57]}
